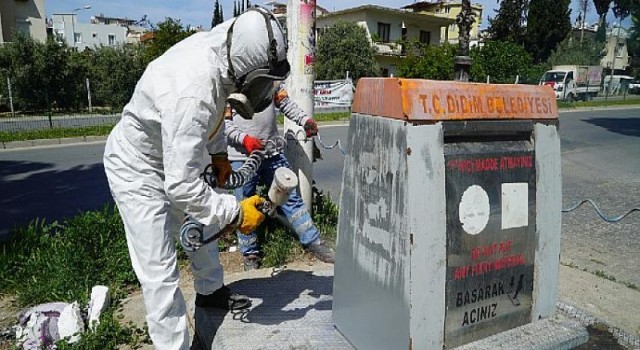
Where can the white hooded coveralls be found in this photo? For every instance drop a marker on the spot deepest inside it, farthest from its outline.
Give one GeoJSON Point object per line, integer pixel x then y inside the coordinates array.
{"type": "Point", "coordinates": [155, 154]}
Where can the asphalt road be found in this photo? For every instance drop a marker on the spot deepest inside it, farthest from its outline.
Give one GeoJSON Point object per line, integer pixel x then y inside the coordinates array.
{"type": "Point", "coordinates": [600, 155]}
{"type": "Point", "coordinates": [601, 161]}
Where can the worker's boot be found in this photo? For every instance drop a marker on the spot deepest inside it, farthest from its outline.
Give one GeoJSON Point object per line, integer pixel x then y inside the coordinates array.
{"type": "Point", "coordinates": [321, 251]}
{"type": "Point", "coordinates": [251, 262]}
{"type": "Point", "coordinates": [223, 299]}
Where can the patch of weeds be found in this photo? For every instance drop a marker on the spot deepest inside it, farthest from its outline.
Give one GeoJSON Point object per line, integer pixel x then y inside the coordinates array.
{"type": "Point", "coordinates": [279, 243]}
{"type": "Point", "coordinates": [604, 275]}
{"type": "Point", "coordinates": [600, 338]}
{"type": "Point", "coordinates": [571, 265]}
{"type": "Point", "coordinates": [325, 215]}
{"type": "Point", "coordinates": [62, 261]}
{"type": "Point", "coordinates": [598, 262]}
{"type": "Point", "coordinates": [633, 286]}
{"type": "Point", "coordinates": [109, 335]}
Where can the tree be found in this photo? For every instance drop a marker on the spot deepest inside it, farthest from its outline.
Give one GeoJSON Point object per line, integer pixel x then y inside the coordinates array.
{"type": "Point", "coordinates": [345, 47]}
{"type": "Point", "coordinates": [585, 6]}
{"type": "Point", "coordinates": [634, 41]}
{"type": "Point", "coordinates": [602, 8]}
{"type": "Point", "coordinates": [571, 51]}
{"type": "Point", "coordinates": [114, 72]}
{"type": "Point", "coordinates": [503, 61]}
{"type": "Point", "coordinates": [509, 22]}
{"type": "Point", "coordinates": [548, 23]}
{"type": "Point", "coordinates": [622, 8]}
{"type": "Point", "coordinates": [166, 34]}
{"type": "Point", "coordinates": [217, 14]}
{"type": "Point", "coordinates": [428, 62]}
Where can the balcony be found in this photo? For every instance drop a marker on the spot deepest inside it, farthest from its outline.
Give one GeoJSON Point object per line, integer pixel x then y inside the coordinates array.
{"type": "Point", "coordinates": [389, 49]}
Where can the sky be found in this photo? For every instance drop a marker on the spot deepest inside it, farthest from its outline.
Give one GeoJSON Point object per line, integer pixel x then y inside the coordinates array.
{"type": "Point", "coordinates": [199, 12]}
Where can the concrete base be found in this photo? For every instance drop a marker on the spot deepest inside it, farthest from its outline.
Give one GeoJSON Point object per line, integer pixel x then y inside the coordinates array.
{"type": "Point", "coordinates": [292, 310]}
{"type": "Point", "coordinates": [559, 333]}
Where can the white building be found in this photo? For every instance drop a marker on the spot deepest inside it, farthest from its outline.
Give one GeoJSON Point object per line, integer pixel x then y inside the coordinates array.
{"type": "Point", "coordinates": [25, 16]}
{"type": "Point", "coordinates": [617, 50]}
{"type": "Point", "coordinates": [67, 29]}
{"type": "Point", "coordinates": [386, 27]}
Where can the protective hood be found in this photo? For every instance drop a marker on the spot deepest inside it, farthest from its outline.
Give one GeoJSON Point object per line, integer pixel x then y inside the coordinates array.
{"type": "Point", "coordinates": [251, 42]}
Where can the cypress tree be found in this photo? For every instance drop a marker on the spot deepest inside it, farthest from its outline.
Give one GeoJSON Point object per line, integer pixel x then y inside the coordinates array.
{"type": "Point", "coordinates": [548, 24]}
{"type": "Point", "coordinates": [508, 24]}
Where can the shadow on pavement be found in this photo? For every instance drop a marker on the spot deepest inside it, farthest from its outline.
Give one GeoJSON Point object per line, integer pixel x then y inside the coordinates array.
{"type": "Point", "coordinates": [31, 190]}
{"type": "Point", "coordinates": [624, 126]}
{"type": "Point", "coordinates": [207, 323]}
{"type": "Point", "coordinates": [286, 296]}
{"type": "Point", "coordinates": [282, 296]}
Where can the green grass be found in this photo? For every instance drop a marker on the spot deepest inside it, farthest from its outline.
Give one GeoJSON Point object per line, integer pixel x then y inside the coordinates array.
{"type": "Point", "coordinates": [574, 105]}
{"type": "Point", "coordinates": [103, 130]}
{"type": "Point", "coordinates": [62, 261]}
{"type": "Point", "coordinates": [55, 133]}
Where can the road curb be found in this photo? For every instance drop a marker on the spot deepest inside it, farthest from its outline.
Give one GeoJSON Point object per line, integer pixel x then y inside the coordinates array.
{"type": "Point", "coordinates": [11, 145]}
{"type": "Point", "coordinates": [332, 123]}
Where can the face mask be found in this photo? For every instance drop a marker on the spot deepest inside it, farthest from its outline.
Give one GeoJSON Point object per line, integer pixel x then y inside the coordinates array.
{"type": "Point", "coordinates": [254, 91]}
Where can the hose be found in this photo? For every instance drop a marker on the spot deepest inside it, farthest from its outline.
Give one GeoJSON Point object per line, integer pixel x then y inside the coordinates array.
{"type": "Point", "coordinates": [604, 217]}
{"type": "Point", "coordinates": [336, 144]}
{"type": "Point", "coordinates": [191, 232]}
{"type": "Point", "coordinates": [249, 168]}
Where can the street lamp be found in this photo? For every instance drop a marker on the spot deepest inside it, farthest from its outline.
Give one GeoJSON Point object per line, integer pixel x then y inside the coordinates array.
{"type": "Point", "coordinates": [86, 7]}
{"type": "Point", "coordinates": [73, 22]}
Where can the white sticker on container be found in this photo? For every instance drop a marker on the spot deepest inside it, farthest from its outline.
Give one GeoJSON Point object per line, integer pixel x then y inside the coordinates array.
{"type": "Point", "coordinates": [474, 210]}
{"type": "Point", "coordinates": [515, 205]}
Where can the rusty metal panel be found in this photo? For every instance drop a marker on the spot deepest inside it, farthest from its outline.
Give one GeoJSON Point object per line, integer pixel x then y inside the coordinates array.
{"type": "Point", "coordinates": [491, 238]}
{"type": "Point", "coordinates": [430, 100]}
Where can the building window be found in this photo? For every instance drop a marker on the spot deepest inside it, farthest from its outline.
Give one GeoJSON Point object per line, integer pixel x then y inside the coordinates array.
{"type": "Point", "coordinates": [77, 38]}
{"type": "Point", "coordinates": [112, 40]}
{"type": "Point", "coordinates": [383, 31]}
{"type": "Point", "coordinates": [619, 49]}
{"type": "Point", "coordinates": [425, 37]}
{"type": "Point", "coordinates": [452, 27]}
{"type": "Point", "coordinates": [385, 72]}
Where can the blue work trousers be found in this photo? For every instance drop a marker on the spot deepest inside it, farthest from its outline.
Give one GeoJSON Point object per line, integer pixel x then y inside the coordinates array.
{"type": "Point", "coordinates": [293, 210]}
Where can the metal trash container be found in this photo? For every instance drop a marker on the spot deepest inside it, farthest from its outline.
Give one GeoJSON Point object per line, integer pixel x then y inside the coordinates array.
{"type": "Point", "coordinates": [450, 213]}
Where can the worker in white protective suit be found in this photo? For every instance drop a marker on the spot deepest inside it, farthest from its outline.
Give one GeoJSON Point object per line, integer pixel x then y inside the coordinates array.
{"type": "Point", "coordinates": [154, 157]}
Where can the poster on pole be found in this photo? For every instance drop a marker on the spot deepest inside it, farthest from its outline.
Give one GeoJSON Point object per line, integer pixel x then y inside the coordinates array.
{"type": "Point", "coordinates": [333, 95]}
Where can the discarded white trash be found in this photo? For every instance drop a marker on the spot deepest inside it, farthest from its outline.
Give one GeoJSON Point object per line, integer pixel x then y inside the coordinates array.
{"type": "Point", "coordinates": [41, 326]}
{"type": "Point", "coordinates": [100, 301]}
{"type": "Point", "coordinates": [38, 326]}
{"type": "Point", "coordinates": [70, 323]}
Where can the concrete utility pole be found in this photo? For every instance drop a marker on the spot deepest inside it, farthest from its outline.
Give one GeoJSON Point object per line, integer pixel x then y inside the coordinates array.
{"type": "Point", "coordinates": [613, 62]}
{"type": "Point", "coordinates": [301, 25]}
{"type": "Point", "coordinates": [463, 62]}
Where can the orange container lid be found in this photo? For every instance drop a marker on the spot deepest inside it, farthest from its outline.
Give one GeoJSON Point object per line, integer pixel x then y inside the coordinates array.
{"type": "Point", "coordinates": [432, 100]}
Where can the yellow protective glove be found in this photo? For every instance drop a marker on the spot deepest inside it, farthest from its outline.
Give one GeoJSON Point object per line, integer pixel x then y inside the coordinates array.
{"type": "Point", "coordinates": [221, 167]}
{"type": "Point", "coordinates": [251, 217]}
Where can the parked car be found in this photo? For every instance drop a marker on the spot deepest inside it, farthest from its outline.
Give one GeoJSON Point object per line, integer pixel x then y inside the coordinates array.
{"type": "Point", "coordinates": [634, 87]}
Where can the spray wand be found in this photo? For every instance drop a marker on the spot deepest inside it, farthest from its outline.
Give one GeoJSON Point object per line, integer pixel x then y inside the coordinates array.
{"type": "Point", "coordinates": [284, 181]}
